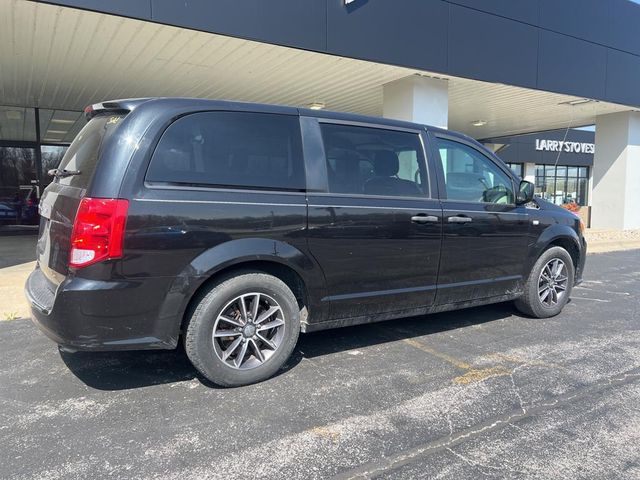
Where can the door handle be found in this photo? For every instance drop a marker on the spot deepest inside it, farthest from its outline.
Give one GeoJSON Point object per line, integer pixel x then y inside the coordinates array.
{"type": "Point", "coordinates": [424, 219]}
{"type": "Point", "coordinates": [459, 219]}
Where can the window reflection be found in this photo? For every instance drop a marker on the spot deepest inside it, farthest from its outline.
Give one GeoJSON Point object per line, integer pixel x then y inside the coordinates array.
{"type": "Point", "coordinates": [18, 186]}
{"type": "Point", "coordinates": [51, 156]}
{"type": "Point", "coordinates": [59, 126]}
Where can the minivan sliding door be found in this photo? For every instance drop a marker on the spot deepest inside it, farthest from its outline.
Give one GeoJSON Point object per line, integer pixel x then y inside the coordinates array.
{"type": "Point", "coordinates": [372, 224]}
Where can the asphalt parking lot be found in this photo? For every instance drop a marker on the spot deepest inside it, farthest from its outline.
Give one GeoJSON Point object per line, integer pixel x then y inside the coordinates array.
{"type": "Point", "coordinates": [470, 394]}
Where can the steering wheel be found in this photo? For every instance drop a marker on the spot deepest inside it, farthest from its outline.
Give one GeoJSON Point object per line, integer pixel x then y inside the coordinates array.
{"type": "Point", "coordinates": [497, 194]}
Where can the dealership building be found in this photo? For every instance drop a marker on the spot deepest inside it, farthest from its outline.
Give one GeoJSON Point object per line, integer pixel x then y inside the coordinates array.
{"type": "Point", "coordinates": [553, 87]}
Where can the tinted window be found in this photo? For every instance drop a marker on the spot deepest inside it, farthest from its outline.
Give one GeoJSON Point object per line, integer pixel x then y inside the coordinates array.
{"type": "Point", "coordinates": [231, 149]}
{"type": "Point", "coordinates": [472, 177]}
{"type": "Point", "coordinates": [373, 161]}
{"type": "Point", "coordinates": [83, 153]}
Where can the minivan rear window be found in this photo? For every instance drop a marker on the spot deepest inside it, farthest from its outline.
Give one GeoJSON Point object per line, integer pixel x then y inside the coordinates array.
{"type": "Point", "coordinates": [231, 149]}
{"type": "Point", "coordinates": [84, 151]}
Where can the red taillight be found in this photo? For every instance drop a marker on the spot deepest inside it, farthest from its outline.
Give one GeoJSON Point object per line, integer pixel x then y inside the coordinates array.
{"type": "Point", "coordinates": [98, 231]}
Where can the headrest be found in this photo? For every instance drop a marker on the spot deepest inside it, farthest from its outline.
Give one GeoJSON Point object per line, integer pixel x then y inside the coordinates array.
{"type": "Point", "coordinates": [385, 163]}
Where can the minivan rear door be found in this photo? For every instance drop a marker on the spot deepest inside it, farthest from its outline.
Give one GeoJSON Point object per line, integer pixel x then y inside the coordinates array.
{"type": "Point", "coordinates": [60, 200]}
{"type": "Point", "coordinates": [373, 225]}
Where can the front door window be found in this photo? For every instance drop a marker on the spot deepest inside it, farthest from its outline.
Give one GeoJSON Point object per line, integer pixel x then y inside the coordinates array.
{"type": "Point", "coordinates": [472, 177]}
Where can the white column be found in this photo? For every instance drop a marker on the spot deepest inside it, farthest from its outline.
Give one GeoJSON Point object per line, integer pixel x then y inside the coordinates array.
{"type": "Point", "coordinates": [529, 173]}
{"type": "Point", "coordinates": [417, 99]}
{"type": "Point", "coordinates": [616, 172]}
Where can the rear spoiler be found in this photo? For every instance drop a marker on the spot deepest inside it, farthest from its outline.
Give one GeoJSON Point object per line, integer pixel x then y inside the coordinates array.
{"type": "Point", "coordinates": [92, 110]}
{"type": "Point", "coordinates": [113, 106]}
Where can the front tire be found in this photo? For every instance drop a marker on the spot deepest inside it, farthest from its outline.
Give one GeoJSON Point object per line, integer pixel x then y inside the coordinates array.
{"type": "Point", "coordinates": [548, 287]}
{"type": "Point", "coordinates": [243, 330]}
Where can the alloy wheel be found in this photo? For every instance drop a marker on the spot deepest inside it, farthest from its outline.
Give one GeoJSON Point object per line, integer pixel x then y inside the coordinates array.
{"type": "Point", "coordinates": [248, 331]}
{"type": "Point", "coordinates": [553, 282]}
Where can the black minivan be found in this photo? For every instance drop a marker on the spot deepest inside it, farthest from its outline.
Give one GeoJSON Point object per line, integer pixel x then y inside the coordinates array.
{"type": "Point", "coordinates": [235, 226]}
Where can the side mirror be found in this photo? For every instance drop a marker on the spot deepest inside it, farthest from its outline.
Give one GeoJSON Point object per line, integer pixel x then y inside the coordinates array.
{"type": "Point", "coordinates": [525, 192]}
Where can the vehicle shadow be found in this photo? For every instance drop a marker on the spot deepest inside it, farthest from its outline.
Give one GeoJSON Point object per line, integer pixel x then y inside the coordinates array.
{"type": "Point", "coordinates": [327, 342]}
{"type": "Point", "coordinates": [135, 369]}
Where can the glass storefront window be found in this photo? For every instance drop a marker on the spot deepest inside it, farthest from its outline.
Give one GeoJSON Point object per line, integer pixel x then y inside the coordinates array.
{"type": "Point", "coordinates": [583, 187]}
{"type": "Point", "coordinates": [25, 157]}
{"type": "Point", "coordinates": [562, 184]}
{"type": "Point", "coordinates": [19, 191]}
{"type": "Point", "coordinates": [572, 188]}
{"type": "Point", "coordinates": [517, 168]}
{"type": "Point", "coordinates": [549, 192]}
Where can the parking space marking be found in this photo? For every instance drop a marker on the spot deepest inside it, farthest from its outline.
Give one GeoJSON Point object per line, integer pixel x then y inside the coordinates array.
{"type": "Point", "coordinates": [471, 374]}
{"type": "Point", "coordinates": [591, 289]}
{"type": "Point", "coordinates": [522, 361]}
{"type": "Point", "coordinates": [326, 433]}
{"type": "Point", "coordinates": [480, 374]}
{"type": "Point", "coordinates": [592, 299]}
{"type": "Point", "coordinates": [442, 356]}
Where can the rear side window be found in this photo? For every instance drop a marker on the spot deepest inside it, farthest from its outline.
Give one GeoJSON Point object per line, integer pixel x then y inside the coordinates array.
{"type": "Point", "coordinates": [83, 153]}
{"type": "Point", "coordinates": [374, 161]}
{"type": "Point", "coordinates": [237, 149]}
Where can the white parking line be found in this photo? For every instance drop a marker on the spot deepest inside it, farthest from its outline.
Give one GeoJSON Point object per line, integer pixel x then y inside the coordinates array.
{"type": "Point", "coordinates": [592, 299]}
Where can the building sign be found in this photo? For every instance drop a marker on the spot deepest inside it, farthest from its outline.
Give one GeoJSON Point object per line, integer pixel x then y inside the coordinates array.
{"type": "Point", "coordinates": [560, 146]}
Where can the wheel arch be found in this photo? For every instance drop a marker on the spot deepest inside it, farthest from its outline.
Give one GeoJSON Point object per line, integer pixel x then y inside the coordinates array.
{"type": "Point", "coordinates": [279, 270]}
{"type": "Point", "coordinates": [282, 260]}
{"type": "Point", "coordinates": [570, 246]}
{"type": "Point", "coordinates": [557, 236]}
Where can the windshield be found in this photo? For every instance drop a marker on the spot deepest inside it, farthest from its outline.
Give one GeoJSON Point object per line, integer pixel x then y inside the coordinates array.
{"type": "Point", "coordinates": [83, 153]}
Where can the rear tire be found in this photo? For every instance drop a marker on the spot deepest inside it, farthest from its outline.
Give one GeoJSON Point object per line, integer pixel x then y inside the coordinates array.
{"type": "Point", "coordinates": [243, 330]}
{"type": "Point", "coordinates": [548, 287]}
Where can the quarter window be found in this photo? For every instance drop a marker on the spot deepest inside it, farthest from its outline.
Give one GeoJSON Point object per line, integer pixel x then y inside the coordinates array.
{"type": "Point", "coordinates": [239, 149]}
{"type": "Point", "coordinates": [374, 161]}
{"type": "Point", "coordinates": [472, 177]}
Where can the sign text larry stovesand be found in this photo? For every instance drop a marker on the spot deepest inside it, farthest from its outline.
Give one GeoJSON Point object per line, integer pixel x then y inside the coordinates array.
{"type": "Point", "coordinates": [560, 146]}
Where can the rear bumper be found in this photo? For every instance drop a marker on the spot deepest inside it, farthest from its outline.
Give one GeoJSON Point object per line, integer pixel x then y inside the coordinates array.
{"type": "Point", "coordinates": [82, 314]}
